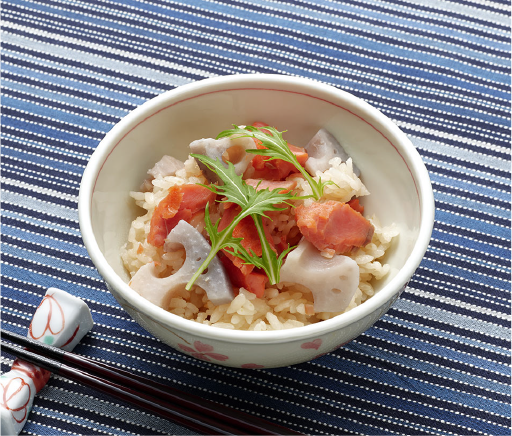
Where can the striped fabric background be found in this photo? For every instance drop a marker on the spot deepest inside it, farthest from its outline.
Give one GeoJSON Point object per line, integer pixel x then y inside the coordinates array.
{"type": "Point", "coordinates": [438, 362]}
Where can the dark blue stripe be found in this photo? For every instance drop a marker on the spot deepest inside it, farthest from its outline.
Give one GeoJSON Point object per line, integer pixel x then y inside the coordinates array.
{"type": "Point", "coordinates": [98, 37]}
{"type": "Point", "coordinates": [229, 378]}
{"type": "Point", "coordinates": [422, 356]}
{"type": "Point", "coordinates": [312, 20]}
{"type": "Point", "coordinates": [75, 92]}
{"type": "Point", "coordinates": [41, 196]}
{"type": "Point", "coordinates": [463, 251]}
{"type": "Point", "coordinates": [81, 78]}
{"type": "Point", "coordinates": [44, 231]}
{"type": "Point", "coordinates": [440, 11]}
{"type": "Point", "coordinates": [472, 196]}
{"type": "Point", "coordinates": [43, 170]}
{"type": "Point", "coordinates": [127, 426]}
{"type": "Point", "coordinates": [435, 413]}
{"type": "Point", "coordinates": [482, 237]}
{"type": "Point", "coordinates": [49, 270]}
{"type": "Point", "coordinates": [39, 215]}
{"type": "Point", "coordinates": [446, 259]}
{"type": "Point", "coordinates": [472, 213]}
{"type": "Point", "coordinates": [482, 288]}
{"type": "Point", "coordinates": [336, 45]}
{"type": "Point", "coordinates": [65, 256]}
{"type": "Point", "coordinates": [382, 38]}
{"type": "Point", "coordinates": [485, 6]}
{"type": "Point", "coordinates": [56, 124]}
{"type": "Point", "coordinates": [128, 59]}
{"type": "Point", "coordinates": [459, 174]}
{"type": "Point", "coordinates": [474, 314]}
{"type": "Point", "coordinates": [99, 311]}
{"type": "Point", "coordinates": [45, 152]}
{"type": "Point", "coordinates": [473, 126]}
{"type": "Point", "coordinates": [167, 49]}
{"type": "Point", "coordinates": [61, 106]}
{"type": "Point", "coordinates": [464, 163]}
{"type": "Point", "coordinates": [339, 45]}
{"type": "Point", "coordinates": [435, 169]}
{"type": "Point", "coordinates": [453, 329]}
{"type": "Point", "coordinates": [406, 117]}
{"type": "Point", "coordinates": [33, 180]}
{"type": "Point", "coordinates": [461, 144]}
{"type": "Point", "coordinates": [464, 296]}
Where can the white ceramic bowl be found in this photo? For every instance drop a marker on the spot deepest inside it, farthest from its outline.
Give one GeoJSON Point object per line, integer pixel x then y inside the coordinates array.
{"type": "Point", "coordinates": [391, 168]}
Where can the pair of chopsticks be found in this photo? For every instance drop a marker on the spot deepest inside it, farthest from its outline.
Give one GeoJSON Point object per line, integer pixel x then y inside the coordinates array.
{"type": "Point", "coordinates": [193, 412]}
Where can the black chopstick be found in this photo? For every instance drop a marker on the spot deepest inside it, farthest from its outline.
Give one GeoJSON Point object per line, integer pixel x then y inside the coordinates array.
{"type": "Point", "coordinates": [191, 411]}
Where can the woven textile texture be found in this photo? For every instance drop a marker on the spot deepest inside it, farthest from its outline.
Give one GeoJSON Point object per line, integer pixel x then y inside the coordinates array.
{"type": "Point", "coordinates": [437, 363]}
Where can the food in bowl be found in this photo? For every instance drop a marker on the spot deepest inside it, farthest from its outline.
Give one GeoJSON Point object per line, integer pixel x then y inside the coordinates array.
{"type": "Point", "coordinates": [253, 233]}
{"type": "Point", "coordinates": [391, 169]}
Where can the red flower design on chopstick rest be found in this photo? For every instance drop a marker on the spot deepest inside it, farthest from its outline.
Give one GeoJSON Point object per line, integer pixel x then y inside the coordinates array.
{"type": "Point", "coordinates": [203, 352]}
{"type": "Point", "coordinates": [15, 397]}
{"type": "Point", "coordinates": [60, 320]}
{"type": "Point", "coordinates": [39, 376]}
{"type": "Point", "coordinates": [48, 321]}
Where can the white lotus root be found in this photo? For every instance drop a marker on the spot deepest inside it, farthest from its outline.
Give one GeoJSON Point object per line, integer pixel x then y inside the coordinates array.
{"type": "Point", "coordinates": [333, 281]}
{"type": "Point", "coordinates": [167, 166]}
{"type": "Point", "coordinates": [232, 149]}
{"type": "Point", "coordinates": [214, 281]}
{"type": "Point", "coordinates": [321, 149]}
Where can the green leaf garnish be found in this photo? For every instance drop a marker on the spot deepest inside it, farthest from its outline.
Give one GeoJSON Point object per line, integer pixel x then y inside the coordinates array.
{"type": "Point", "coordinates": [277, 148]}
{"type": "Point", "coordinates": [253, 203]}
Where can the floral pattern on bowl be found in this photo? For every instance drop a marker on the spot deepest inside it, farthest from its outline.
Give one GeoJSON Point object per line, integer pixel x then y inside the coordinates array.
{"type": "Point", "coordinates": [203, 352]}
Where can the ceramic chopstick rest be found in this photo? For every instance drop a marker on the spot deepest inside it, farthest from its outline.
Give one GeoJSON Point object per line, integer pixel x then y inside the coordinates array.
{"type": "Point", "coordinates": [61, 320]}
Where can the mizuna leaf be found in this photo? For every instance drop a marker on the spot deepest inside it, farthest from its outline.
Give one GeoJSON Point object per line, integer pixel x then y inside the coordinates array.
{"type": "Point", "coordinates": [252, 203]}
{"type": "Point", "coordinates": [276, 148]}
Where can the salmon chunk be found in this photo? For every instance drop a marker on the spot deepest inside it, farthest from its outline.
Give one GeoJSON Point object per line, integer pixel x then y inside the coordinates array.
{"type": "Point", "coordinates": [253, 281]}
{"type": "Point", "coordinates": [243, 274]}
{"type": "Point", "coordinates": [276, 169]}
{"type": "Point", "coordinates": [261, 167]}
{"type": "Point", "coordinates": [333, 226]}
{"type": "Point", "coordinates": [182, 203]}
{"type": "Point", "coordinates": [245, 229]}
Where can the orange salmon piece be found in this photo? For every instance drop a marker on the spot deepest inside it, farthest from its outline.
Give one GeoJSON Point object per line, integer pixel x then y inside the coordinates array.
{"type": "Point", "coordinates": [276, 169]}
{"type": "Point", "coordinates": [245, 229]}
{"type": "Point", "coordinates": [254, 281]}
{"type": "Point", "coordinates": [195, 197]}
{"type": "Point", "coordinates": [354, 204]}
{"type": "Point", "coordinates": [241, 274]}
{"type": "Point", "coordinates": [260, 124]}
{"type": "Point", "coordinates": [334, 226]}
{"type": "Point", "coordinates": [182, 203]}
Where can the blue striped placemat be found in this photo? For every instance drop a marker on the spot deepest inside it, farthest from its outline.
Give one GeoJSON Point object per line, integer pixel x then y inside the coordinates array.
{"type": "Point", "coordinates": [438, 362]}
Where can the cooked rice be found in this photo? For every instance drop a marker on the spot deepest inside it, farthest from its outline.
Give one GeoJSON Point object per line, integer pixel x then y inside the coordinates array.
{"type": "Point", "coordinates": [345, 186]}
{"type": "Point", "coordinates": [281, 307]}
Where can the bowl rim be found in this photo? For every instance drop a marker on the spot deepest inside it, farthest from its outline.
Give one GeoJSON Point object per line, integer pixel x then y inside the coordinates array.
{"type": "Point", "coordinates": [242, 81]}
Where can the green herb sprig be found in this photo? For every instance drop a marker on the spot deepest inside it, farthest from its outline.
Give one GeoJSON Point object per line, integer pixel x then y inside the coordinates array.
{"type": "Point", "coordinates": [253, 203]}
{"type": "Point", "coordinates": [276, 148]}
